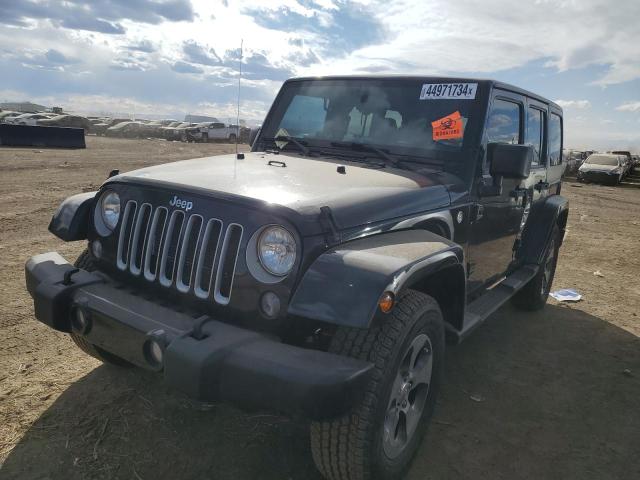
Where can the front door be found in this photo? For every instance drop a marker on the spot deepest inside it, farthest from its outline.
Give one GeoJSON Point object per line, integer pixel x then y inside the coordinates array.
{"type": "Point", "coordinates": [498, 212]}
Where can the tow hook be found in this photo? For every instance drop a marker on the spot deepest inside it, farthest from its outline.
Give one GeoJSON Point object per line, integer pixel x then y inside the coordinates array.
{"type": "Point", "coordinates": [66, 280]}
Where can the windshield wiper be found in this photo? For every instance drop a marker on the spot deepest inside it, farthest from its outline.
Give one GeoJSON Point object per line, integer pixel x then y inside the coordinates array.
{"type": "Point", "coordinates": [364, 147]}
{"type": "Point", "coordinates": [288, 138]}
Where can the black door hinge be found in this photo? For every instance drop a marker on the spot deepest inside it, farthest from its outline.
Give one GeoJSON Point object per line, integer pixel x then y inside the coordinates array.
{"type": "Point", "coordinates": [541, 185]}
{"type": "Point", "coordinates": [477, 212]}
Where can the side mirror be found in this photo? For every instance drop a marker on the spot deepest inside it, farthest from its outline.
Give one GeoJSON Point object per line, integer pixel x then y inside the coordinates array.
{"type": "Point", "coordinates": [509, 161]}
{"type": "Point", "coordinates": [253, 135]}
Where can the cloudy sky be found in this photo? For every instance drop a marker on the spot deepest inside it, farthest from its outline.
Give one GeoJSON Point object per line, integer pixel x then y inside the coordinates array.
{"type": "Point", "coordinates": [171, 57]}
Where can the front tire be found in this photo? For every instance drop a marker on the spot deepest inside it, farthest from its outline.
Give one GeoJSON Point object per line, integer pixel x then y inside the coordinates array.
{"type": "Point", "coordinates": [381, 434]}
{"type": "Point", "coordinates": [533, 296]}
{"type": "Point", "coordinates": [86, 261]}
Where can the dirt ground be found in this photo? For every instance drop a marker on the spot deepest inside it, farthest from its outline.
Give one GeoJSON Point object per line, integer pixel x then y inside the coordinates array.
{"type": "Point", "coordinates": [548, 395]}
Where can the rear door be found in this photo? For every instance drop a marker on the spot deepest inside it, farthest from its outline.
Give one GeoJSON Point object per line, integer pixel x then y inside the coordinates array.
{"type": "Point", "coordinates": [536, 135]}
{"type": "Point", "coordinates": [557, 163]}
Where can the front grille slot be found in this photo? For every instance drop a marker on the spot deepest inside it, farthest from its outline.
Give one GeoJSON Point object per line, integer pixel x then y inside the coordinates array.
{"type": "Point", "coordinates": [229, 256]}
{"type": "Point", "coordinates": [154, 243]}
{"type": "Point", "coordinates": [124, 242]}
{"type": "Point", "coordinates": [188, 249]}
{"type": "Point", "coordinates": [185, 252]}
{"type": "Point", "coordinates": [207, 258]}
{"type": "Point", "coordinates": [139, 237]}
{"type": "Point", "coordinates": [170, 247]}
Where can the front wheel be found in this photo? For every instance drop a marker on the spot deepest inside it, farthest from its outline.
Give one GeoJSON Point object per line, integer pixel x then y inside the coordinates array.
{"type": "Point", "coordinates": [381, 434]}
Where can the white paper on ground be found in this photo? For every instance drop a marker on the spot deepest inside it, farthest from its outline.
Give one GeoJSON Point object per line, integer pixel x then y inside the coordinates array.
{"type": "Point", "coordinates": [566, 295]}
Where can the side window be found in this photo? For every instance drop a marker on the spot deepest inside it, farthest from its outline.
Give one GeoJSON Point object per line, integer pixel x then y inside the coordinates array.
{"type": "Point", "coordinates": [555, 139]}
{"type": "Point", "coordinates": [534, 136]}
{"type": "Point", "coordinates": [503, 125]}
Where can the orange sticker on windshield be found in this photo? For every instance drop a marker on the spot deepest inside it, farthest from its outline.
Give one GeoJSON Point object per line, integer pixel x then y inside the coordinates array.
{"type": "Point", "coordinates": [447, 127]}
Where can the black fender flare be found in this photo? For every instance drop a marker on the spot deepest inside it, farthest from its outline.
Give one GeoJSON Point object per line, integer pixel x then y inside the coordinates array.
{"type": "Point", "coordinates": [343, 285]}
{"type": "Point", "coordinates": [537, 231]}
{"type": "Point", "coordinates": [71, 219]}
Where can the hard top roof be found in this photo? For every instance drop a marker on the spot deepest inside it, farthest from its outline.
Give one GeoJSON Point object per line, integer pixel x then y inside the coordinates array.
{"type": "Point", "coordinates": [427, 78]}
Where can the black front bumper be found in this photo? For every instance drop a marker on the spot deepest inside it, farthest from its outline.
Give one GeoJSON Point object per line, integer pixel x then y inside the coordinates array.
{"type": "Point", "coordinates": [217, 361]}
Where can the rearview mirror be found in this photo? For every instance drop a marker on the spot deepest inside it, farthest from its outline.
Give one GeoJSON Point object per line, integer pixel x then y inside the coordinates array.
{"type": "Point", "coordinates": [253, 135]}
{"type": "Point", "coordinates": [509, 161]}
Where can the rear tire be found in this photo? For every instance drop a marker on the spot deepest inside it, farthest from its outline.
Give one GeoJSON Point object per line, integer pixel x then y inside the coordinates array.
{"type": "Point", "coordinates": [232, 138]}
{"type": "Point", "coordinates": [533, 296]}
{"type": "Point", "coordinates": [380, 435]}
{"type": "Point", "coordinates": [86, 261]}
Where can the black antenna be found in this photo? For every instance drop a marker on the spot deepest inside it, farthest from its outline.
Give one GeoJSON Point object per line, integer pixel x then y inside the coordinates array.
{"type": "Point", "coordinates": [238, 111]}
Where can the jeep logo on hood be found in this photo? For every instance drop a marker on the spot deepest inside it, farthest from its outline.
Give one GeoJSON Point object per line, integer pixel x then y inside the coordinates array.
{"type": "Point", "coordinates": [179, 203]}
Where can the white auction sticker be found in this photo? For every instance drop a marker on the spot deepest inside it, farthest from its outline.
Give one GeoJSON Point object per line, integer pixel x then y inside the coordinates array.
{"type": "Point", "coordinates": [448, 91]}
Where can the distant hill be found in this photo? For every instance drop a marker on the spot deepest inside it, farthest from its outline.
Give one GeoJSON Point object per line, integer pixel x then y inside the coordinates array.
{"type": "Point", "coordinates": [26, 107]}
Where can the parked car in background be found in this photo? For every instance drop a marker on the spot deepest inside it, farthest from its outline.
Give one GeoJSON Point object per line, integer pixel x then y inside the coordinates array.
{"type": "Point", "coordinates": [217, 131]}
{"type": "Point", "coordinates": [198, 132]}
{"type": "Point", "coordinates": [74, 121]}
{"type": "Point", "coordinates": [101, 127]}
{"type": "Point", "coordinates": [29, 118]}
{"type": "Point", "coordinates": [628, 161]}
{"type": "Point", "coordinates": [178, 132]}
{"type": "Point", "coordinates": [7, 115]}
{"type": "Point", "coordinates": [574, 159]}
{"type": "Point", "coordinates": [132, 129]}
{"type": "Point", "coordinates": [244, 133]}
{"type": "Point", "coordinates": [602, 168]}
{"type": "Point", "coordinates": [164, 130]}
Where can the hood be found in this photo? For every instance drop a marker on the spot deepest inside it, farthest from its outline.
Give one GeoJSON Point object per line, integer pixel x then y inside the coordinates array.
{"type": "Point", "coordinates": [359, 196]}
{"type": "Point", "coordinates": [592, 167]}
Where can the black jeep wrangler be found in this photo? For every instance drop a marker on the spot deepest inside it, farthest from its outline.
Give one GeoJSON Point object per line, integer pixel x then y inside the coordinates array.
{"type": "Point", "coordinates": [321, 273]}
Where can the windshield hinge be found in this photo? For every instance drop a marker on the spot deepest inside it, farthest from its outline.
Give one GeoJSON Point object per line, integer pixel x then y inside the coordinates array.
{"type": "Point", "coordinates": [332, 234]}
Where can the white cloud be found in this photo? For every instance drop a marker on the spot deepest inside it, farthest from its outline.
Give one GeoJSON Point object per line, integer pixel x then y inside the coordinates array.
{"type": "Point", "coordinates": [470, 36]}
{"type": "Point", "coordinates": [629, 107]}
{"type": "Point", "coordinates": [579, 104]}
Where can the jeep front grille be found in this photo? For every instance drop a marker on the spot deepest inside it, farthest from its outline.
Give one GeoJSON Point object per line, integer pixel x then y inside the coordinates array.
{"type": "Point", "coordinates": [180, 251]}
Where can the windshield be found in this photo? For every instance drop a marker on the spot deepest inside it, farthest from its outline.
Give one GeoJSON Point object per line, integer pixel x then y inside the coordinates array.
{"type": "Point", "coordinates": [419, 120]}
{"type": "Point", "coordinates": [602, 160]}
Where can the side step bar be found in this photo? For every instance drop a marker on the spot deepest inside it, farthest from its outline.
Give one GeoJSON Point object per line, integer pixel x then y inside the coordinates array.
{"type": "Point", "coordinates": [478, 310]}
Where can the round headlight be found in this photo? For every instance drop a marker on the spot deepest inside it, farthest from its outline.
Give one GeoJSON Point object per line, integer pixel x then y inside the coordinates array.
{"type": "Point", "coordinates": [110, 207]}
{"type": "Point", "coordinates": [277, 250]}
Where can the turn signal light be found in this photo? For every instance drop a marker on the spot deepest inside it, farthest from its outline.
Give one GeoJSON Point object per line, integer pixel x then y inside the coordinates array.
{"type": "Point", "coordinates": [386, 302]}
